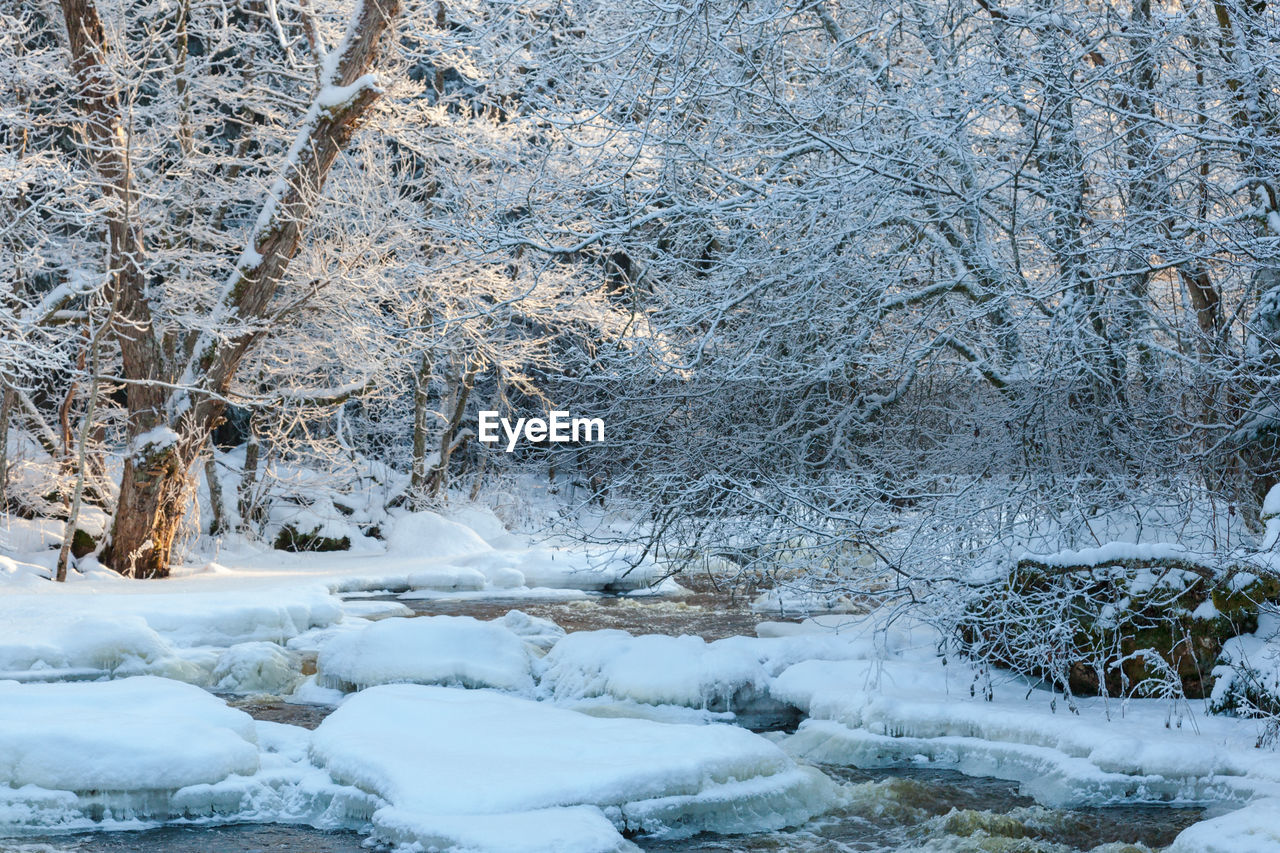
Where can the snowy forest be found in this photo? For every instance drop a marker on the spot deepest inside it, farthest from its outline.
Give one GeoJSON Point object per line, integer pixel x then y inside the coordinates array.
{"type": "Point", "coordinates": [936, 349]}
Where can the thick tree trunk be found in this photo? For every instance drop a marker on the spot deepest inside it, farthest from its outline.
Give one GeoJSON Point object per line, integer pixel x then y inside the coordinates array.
{"type": "Point", "coordinates": [153, 500]}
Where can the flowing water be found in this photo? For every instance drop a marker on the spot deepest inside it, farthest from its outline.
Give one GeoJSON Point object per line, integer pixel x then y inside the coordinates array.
{"type": "Point", "coordinates": [708, 615]}
{"type": "Point", "coordinates": [889, 811]}
{"type": "Point", "coordinates": [244, 838]}
{"type": "Point", "coordinates": [942, 811]}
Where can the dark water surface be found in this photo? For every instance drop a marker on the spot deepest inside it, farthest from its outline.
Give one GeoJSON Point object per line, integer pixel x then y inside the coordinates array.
{"type": "Point", "coordinates": [241, 838]}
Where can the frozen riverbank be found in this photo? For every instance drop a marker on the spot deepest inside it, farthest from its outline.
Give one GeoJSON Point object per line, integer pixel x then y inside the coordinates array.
{"type": "Point", "coordinates": [620, 737]}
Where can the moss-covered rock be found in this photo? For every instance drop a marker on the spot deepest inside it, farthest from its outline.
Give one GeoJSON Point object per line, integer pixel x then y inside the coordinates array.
{"type": "Point", "coordinates": [291, 539]}
{"type": "Point", "coordinates": [1127, 627]}
{"type": "Point", "coordinates": [82, 543]}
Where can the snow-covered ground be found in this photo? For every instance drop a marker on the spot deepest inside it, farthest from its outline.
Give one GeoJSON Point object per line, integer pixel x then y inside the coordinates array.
{"type": "Point", "coordinates": [100, 623]}
{"type": "Point", "coordinates": [456, 733]}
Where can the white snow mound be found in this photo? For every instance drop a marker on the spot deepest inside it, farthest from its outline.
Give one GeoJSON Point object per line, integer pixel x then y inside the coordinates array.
{"type": "Point", "coordinates": [450, 650]}
{"type": "Point", "coordinates": [430, 536]}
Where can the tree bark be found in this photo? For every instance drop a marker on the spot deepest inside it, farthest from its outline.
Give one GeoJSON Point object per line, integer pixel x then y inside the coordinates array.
{"type": "Point", "coordinates": [451, 439]}
{"type": "Point", "coordinates": [250, 511]}
{"type": "Point", "coordinates": [218, 515]}
{"type": "Point", "coordinates": [421, 421]}
{"type": "Point", "coordinates": [6, 409]}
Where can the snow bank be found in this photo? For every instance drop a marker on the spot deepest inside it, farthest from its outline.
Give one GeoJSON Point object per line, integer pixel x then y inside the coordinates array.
{"type": "Point", "coordinates": [129, 735]}
{"type": "Point", "coordinates": [485, 524]}
{"type": "Point", "coordinates": [451, 650]}
{"type": "Point", "coordinates": [563, 568]}
{"type": "Point", "coordinates": [548, 778]}
{"type": "Point", "coordinates": [1252, 829]}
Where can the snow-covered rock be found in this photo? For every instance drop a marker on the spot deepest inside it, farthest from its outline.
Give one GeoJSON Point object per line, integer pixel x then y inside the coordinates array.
{"type": "Point", "coordinates": [256, 668]}
{"type": "Point", "coordinates": [486, 771]}
{"type": "Point", "coordinates": [450, 650]}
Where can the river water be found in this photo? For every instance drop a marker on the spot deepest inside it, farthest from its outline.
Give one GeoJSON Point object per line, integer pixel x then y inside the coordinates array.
{"type": "Point", "coordinates": [890, 811]}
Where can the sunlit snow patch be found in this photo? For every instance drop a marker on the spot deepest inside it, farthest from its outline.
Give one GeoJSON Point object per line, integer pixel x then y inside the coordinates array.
{"type": "Point", "coordinates": [480, 770]}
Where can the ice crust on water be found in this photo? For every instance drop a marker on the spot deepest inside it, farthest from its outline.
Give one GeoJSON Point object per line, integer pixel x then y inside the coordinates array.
{"type": "Point", "coordinates": [564, 568]}
{"type": "Point", "coordinates": [653, 669]}
{"type": "Point", "coordinates": [125, 752]}
{"type": "Point", "coordinates": [539, 633]}
{"type": "Point", "coordinates": [133, 752]}
{"type": "Point", "coordinates": [61, 634]}
{"type": "Point", "coordinates": [89, 648]}
{"type": "Point", "coordinates": [129, 735]}
{"type": "Point", "coordinates": [374, 609]}
{"type": "Point", "coordinates": [450, 650]}
{"type": "Point", "coordinates": [441, 758]}
{"type": "Point", "coordinates": [887, 713]}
